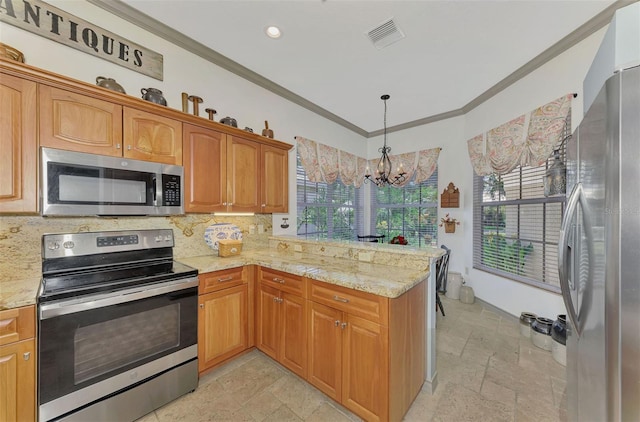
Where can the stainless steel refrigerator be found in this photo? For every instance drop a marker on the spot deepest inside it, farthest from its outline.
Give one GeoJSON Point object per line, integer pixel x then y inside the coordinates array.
{"type": "Point", "coordinates": [599, 256]}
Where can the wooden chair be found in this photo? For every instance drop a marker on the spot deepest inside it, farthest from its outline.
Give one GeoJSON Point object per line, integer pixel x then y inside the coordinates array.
{"type": "Point", "coordinates": [372, 238]}
{"type": "Point", "coordinates": [442, 271]}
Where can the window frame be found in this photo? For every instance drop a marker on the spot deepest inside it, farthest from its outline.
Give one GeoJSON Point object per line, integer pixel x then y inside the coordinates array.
{"type": "Point", "coordinates": [331, 206]}
{"type": "Point", "coordinates": [375, 205]}
{"type": "Point", "coordinates": [479, 204]}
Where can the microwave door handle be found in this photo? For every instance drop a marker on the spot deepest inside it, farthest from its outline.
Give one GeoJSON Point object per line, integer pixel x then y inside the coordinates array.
{"type": "Point", "coordinates": [157, 193]}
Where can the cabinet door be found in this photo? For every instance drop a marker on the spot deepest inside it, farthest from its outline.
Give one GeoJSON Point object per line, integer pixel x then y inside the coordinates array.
{"type": "Point", "coordinates": [18, 147]}
{"type": "Point", "coordinates": [222, 326]}
{"type": "Point", "coordinates": [205, 169]}
{"type": "Point", "coordinates": [267, 329]}
{"type": "Point", "coordinates": [365, 370]}
{"type": "Point", "coordinates": [325, 350]}
{"type": "Point", "coordinates": [18, 381]}
{"type": "Point", "coordinates": [293, 349]}
{"type": "Point", "coordinates": [243, 175]}
{"type": "Point", "coordinates": [76, 122]}
{"type": "Point", "coordinates": [274, 182]}
{"type": "Point", "coordinates": [151, 137]}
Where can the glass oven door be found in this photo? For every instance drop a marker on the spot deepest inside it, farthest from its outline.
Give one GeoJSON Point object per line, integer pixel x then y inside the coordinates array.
{"type": "Point", "coordinates": [95, 346]}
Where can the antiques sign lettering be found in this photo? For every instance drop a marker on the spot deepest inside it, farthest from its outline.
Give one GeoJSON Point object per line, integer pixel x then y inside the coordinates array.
{"type": "Point", "coordinates": [50, 22]}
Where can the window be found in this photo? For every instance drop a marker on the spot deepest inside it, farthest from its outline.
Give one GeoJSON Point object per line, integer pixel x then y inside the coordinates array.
{"type": "Point", "coordinates": [410, 211]}
{"type": "Point", "coordinates": [327, 211]}
{"type": "Point", "coordinates": [516, 228]}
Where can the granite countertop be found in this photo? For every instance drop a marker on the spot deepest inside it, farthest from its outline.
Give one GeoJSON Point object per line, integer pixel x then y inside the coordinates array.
{"type": "Point", "coordinates": [383, 280]}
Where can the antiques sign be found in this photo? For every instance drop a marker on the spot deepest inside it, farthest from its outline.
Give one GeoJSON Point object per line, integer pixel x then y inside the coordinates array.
{"type": "Point", "coordinates": [50, 22]}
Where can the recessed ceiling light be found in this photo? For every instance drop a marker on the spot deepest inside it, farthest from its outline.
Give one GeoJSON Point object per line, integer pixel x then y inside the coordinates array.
{"type": "Point", "coordinates": [273, 32]}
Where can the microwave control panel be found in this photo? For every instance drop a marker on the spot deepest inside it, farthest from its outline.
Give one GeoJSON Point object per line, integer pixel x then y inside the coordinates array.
{"type": "Point", "coordinates": [171, 192]}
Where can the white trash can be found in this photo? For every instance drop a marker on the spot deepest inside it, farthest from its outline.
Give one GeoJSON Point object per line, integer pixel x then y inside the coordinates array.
{"type": "Point", "coordinates": [454, 282]}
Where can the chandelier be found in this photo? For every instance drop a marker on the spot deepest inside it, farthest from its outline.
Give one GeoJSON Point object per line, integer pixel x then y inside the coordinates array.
{"type": "Point", "coordinates": [383, 175]}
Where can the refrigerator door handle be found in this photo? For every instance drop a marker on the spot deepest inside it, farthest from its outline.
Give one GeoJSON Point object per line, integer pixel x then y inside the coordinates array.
{"type": "Point", "coordinates": [563, 262]}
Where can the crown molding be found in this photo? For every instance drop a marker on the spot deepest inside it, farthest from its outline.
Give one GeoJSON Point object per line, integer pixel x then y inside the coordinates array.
{"type": "Point", "coordinates": [132, 15]}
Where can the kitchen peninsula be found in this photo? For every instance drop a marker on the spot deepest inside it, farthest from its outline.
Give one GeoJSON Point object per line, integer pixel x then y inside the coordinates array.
{"type": "Point", "coordinates": [353, 319]}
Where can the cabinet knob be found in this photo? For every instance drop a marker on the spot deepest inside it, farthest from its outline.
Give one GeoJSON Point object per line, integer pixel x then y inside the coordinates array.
{"type": "Point", "coordinates": [224, 203]}
{"type": "Point", "coordinates": [343, 325]}
{"type": "Point", "coordinates": [340, 299]}
{"type": "Point", "coordinates": [264, 205]}
{"type": "Point", "coordinates": [222, 280]}
{"type": "Point", "coordinates": [337, 322]}
{"type": "Point", "coordinates": [117, 146]}
{"type": "Point", "coordinates": [129, 147]}
{"type": "Point", "coordinates": [278, 280]}
{"type": "Point", "coordinates": [202, 306]}
{"type": "Point", "coordinates": [26, 355]}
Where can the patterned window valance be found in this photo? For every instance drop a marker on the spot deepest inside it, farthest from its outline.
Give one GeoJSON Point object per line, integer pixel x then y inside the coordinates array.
{"type": "Point", "coordinates": [509, 146]}
{"type": "Point", "coordinates": [323, 163]}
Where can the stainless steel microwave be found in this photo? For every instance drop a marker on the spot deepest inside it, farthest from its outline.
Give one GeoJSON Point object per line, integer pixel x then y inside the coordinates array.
{"type": "Point", "coordinates": [79, 184]}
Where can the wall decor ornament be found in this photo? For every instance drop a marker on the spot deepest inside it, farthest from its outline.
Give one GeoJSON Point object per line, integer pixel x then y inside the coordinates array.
{"type": "Point", "coordinates": [47, 21]}
{"type": "Point", "coordinates": [449, 224]}
{"type": "Point", "coordinates": [450, 197]}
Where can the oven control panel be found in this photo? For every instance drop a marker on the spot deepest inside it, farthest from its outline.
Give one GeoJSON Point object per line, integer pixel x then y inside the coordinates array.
{"type": "Point", "coordinates": [89, 243]}
{"type": "Point", "coordinates": [131, 239]}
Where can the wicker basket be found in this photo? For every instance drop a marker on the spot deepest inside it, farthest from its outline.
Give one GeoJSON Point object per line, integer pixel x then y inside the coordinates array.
{"type": "Point", "coordinates": [229, 247]}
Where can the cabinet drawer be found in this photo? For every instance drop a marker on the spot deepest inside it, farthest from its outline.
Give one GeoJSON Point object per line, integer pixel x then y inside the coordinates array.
{"type": "Point", "coordinates": [366, 305]}
{"type": "Point", "coordinates": [17, 324]}
{"type": "Point", "coordinates": [286, 282]}
{"type": "Point", "coordinates": [218, 280]}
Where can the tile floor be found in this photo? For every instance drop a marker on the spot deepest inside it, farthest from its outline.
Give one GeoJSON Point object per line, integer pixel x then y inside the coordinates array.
{"type": "Point", "coordinates": [487, 371]}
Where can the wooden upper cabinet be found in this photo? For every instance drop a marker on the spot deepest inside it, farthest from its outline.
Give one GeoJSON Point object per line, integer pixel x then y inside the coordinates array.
{"type": "Point", "coordinates": [274, 182]}
{"type": "Point", "coordinates": [205, 168]}
{"type": "Point", "coordinates": [18, 144]}
{"type": "Point", "coordinates": [243, 175]}
{"type": "Point", "coordinates": [151, 137]}
{"type": "Point", "coordinates": [77, 122]}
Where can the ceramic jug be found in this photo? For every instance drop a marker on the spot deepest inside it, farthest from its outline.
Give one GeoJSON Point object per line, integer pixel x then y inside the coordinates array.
{"type": "Point", "coordinates": [229, 121]}
{"type": "Point", "coordinates": [153, 95]}
{"type": "Point", "coordinates": [109, 83]}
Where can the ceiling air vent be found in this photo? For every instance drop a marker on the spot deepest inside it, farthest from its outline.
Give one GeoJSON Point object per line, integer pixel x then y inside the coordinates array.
{"type": "Point", "coordinates": [385, 34]}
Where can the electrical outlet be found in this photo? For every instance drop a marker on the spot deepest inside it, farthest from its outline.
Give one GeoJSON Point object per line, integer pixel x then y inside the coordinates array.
{"type": "Point", "coordinates": [252, 229]}
{"type": "Point", "coordinates": [260, 228]}
{"type": "Point", "coordinates": [297, 248]}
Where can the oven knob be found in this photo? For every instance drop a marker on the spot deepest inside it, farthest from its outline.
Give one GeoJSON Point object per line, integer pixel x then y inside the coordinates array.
{"type": "Point", "coordinates": [53, 246]}
{"type": "Point", "coordinates": [167, 238]}
{"type": "Point", "coordinates": [68, 244]}
{"type": "Point", "coordinates": [158, 239]}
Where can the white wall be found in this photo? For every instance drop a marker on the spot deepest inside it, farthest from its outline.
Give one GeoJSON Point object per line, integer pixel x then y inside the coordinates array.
{"type": "Point", "coordinates": [251, 105]}
{"type": "Point", "coordinates": [229, 94]}
{"type": "Point", "coordinates": [559, 76]}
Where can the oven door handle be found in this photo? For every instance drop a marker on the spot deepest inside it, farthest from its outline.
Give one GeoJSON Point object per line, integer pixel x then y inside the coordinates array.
{"type": "Point", "coordinates": [51, 310]}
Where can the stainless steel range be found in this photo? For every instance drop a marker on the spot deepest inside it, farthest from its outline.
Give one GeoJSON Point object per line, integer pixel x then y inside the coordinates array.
{"type": "Point", "coordinates": [117, 325]}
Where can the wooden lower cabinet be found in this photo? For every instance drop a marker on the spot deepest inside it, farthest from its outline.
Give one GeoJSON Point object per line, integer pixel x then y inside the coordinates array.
{"type": "Point", "coordinates": [365, 351]}
{"type": "Point", "coordinates": [281, 328]}
{"type": "Point", "coordinates": [349, 360]}
{"type": "Point", "coordinates": [18, 365]}
{"type": "Point", "coordinates": [223, 328]}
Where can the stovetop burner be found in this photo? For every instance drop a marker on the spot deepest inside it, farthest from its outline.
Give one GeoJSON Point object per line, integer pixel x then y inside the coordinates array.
{"type": "Point", "coordinates": [86, 263]}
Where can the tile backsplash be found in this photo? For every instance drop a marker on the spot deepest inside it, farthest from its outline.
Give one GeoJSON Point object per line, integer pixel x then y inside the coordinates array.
{"type": "Point", "coordinates": [21, 236]}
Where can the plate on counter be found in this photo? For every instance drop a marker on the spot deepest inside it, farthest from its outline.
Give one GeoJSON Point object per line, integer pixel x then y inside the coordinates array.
{"type": "Point", "coordinates": [217, 232]}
